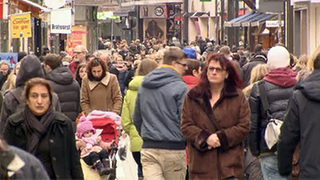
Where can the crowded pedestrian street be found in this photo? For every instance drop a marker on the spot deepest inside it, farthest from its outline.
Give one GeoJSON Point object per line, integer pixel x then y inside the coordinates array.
{"type": "Point", "coordinates": [159, 90]}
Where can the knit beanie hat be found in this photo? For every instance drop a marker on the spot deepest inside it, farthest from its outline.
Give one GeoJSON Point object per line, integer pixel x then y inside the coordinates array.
{"type": "Point", "coordinates": [83, 126]}
{"type": "Point", "coordinates": [190, 52]}
{"type": "Point", "coordinates": [278, 57]}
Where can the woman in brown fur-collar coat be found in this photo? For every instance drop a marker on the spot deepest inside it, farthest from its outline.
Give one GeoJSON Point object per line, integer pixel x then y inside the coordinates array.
{"type": "Point", "coordinates": [216, 121]}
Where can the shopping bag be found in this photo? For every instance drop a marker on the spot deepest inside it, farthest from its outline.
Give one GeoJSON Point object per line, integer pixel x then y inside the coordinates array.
{"type": "Point", "coordinates": [272, 132]}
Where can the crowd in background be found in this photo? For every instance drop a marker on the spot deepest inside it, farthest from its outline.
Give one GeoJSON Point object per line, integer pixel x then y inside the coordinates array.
{"type": "Point", "coordinates": [197, 110]}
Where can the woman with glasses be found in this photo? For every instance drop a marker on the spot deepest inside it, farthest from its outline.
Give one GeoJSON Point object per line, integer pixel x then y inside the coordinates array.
{"type": "Point", "coordinates": [216, 121]}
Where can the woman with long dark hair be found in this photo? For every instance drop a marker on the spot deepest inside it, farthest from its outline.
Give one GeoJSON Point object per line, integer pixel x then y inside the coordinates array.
{"type": "Point", "coordinates": [216, 121]}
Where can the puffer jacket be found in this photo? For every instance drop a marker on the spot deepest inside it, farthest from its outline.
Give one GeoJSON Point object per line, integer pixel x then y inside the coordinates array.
{"type": "Point", "coordinates": [127, 114]}
{"type": "Point", "coordinates": [68, 90]}
{"type": "Point", "coordinates": [278, 85]}
{"type": "Point", "coordinates": [14, 99]}
{"type": "Point", "coordinates": [302, 125]}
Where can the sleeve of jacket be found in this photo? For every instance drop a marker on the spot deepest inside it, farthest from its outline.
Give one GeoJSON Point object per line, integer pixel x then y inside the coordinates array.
{"type": "Point", "coordinates": [254, 136]}
{"type": "Point", "coordinates": [5, 113]}
{"type": "Point", "coordinates": [180, 100]}
{"type": "Point", "coordinates": [75, 166]}
{"type": "Point", "coordinates": [137, 119]}
{"type": "Point", "coordinates": [194, 134]}
{"type": "Point", "coordinates": [289, 138]}
{"type": "Point", "coordinates": [116, 95]}
{"type": "Point", "coordinates": [56, 102]}
{"type": "Point", "coordinates": [85, 102]}
{"type": "Point", "coordinates": [236, 134]}
{"type": "Point", "coordinates": [126, 116]}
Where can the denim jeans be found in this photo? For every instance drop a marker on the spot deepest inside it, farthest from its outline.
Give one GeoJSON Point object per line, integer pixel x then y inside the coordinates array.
{"type": "Point", "coordinates": [269, 167]}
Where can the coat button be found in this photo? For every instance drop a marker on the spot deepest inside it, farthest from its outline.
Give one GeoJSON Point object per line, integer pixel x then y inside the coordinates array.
{"type": "Point", "coordinates": [51, 140]}
{"type": "Point", "coordinates": [54, 158]}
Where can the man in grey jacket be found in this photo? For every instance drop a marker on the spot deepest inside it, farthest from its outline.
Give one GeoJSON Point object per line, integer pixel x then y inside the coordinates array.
{"type": "Point", "coordinates": [157, 118]}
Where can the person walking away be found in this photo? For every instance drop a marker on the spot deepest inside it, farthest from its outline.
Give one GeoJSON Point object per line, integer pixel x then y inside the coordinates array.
{"type": "Point", "coordinates": [157, 118]}
{"type": "Point", "coordinates": [145, 67]}
{"type": "Point", "coordinates": [66, 87]}
{"type": "Point", "coordinates": [278, 86]}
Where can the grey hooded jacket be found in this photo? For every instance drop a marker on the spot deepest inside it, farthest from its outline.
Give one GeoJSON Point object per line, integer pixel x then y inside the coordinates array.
{"type": "Point", "coordinates": [158, 107]}
{"type": "Point", "coordinates": [14, 100]}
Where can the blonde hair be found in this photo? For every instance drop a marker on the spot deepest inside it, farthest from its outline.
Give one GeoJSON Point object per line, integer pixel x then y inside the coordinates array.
{"type": "Point", "coordinates": [257, 74]}
{"type": "Point", "coordinates": [312, 59]}
{"type": "Point", "coordinates": [11, 81]}
{"type": "Point", "coordinates": [302, 63]}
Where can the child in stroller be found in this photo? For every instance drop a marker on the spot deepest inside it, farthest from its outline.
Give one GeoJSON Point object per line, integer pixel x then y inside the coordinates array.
{"type": "Point", "coordinates": [94, 151]}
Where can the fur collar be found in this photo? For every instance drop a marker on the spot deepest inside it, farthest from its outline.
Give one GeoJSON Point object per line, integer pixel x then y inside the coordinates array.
{"type": "Point", "coordinates": [104, 81]}
{"type": "Point", "coordinates": [204, 101]}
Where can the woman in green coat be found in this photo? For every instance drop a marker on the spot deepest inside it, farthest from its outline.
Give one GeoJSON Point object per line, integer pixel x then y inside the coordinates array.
{"type": "Point", "coordinates": [145, 67]}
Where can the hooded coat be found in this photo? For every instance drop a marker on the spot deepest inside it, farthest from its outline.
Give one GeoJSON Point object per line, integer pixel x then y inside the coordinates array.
{"type": "Point", "coordinates": [127, 114]}
{"type": "Point", "coordinates": [278, 85]}
{"type": "Point", "coordinates": [68, 90]}
{"type": "Point", "coordinates": [157, 115]}
{"type": "Point", "coordinates": [14, 99]}
{"type": "Point", "coordinates": [302, 125]}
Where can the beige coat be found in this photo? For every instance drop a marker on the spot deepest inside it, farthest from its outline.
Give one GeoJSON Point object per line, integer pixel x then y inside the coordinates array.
{"type": "Point", "coordinates": [104, 95]}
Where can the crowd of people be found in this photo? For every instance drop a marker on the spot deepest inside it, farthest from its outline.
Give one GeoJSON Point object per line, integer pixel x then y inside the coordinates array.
{"type": "Point", "coordinates": [192, 111]}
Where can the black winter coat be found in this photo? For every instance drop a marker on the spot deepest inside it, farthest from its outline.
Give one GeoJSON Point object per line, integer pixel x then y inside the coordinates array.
{"type": "Point", "coordinates": [302, 125]}
{"type": "Point", "coordinates": [63, 152]}
{"type": "Point", "coordinates": [14, 100]}
{"type": "Point", "coordinates": [68, 90]}
{"type": "Point", "coordinates": [247, 68]}
{"type": "Point", "coordinates": [278, 98]}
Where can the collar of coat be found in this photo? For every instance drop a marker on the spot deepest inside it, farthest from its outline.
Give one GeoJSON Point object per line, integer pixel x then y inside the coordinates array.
{"type": "Point", "coordinates": [104, 81]}
{"type": "Point", "coordinates": [204, 101]}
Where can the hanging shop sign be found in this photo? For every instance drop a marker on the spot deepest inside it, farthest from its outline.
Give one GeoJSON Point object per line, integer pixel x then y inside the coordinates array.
{"type": "Point", "coordinates": [153, 11]}
{"type": "Point", "coordinates": [61, 21]}
{"type": "Point", "coordinates": [21, 25]}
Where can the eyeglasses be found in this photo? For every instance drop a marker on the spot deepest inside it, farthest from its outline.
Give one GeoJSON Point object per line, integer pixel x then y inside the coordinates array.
{"type": "Point", "coordinates": [217, 69]}
{"type": "Point", "coordinates": [77, 52]}
{"type": "Point", "coordinates": [182, 64]}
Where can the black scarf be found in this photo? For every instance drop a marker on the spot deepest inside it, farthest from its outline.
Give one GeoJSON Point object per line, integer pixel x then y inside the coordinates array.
{"type": "Point", "coordinates": [5, 159]}
{"type": "Point", "coordinates": [36, 128]}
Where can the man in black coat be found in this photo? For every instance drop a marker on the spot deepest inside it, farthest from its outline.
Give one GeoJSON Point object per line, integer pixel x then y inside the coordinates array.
{"type": "Point", "coordinates": [258, 58]}
{"type": "Point", "coordinates": [63, 83]}
{"type": "Point", "coordinates": [5, 71]}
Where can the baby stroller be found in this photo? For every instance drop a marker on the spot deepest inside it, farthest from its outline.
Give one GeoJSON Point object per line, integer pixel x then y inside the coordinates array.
{"type": "Point", "coordinates": [110, 123]}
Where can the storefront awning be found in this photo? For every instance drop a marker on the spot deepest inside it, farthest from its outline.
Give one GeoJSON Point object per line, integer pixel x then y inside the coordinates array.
{"type": "Point", "coordinates": [252, 18]}
{"type": "Point", "coordinates": [146, 3]}
{"type": "Point", "coordinates": [34, 8]}
{"type": "Point", "coordinates": [125, 11]}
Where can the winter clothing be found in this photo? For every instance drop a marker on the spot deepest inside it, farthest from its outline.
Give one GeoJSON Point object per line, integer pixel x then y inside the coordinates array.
{"type": "Point", "coordinates": [84, 126]}
{"type": "Point", "coordinates": [278, 56]}
{"type": "Point", "coordinates": [160, 99]}
{"type": "Point", "coordinates": [14, 100]}
{"type": "Point", "coordinates": [92, 144]}
{"type": "Point", "coordinates": [279, 88]}
{"type": "Point", "coordinates": [104, 95]}
{"type": "Point", "coordinates": [63, 155]}
{"type": "Point", "coordinates": [302, 125]}
{"type": "Point", "coordinates": [246, 69]}
{"type": "Point", "coordinates": [230, 120]}
{"type": "Point", "coordinates": [127, 114]}
{"type": "Point", "coordinates": [32, 168]}
{"type": "Point", "coordinates": [3, 78]}
{"type": "Point", "coordinates": [73, 66]}
{"type": "Point", "coordinates": [191, 81]}
{"type": "Point", "coordinates": [68, 90]}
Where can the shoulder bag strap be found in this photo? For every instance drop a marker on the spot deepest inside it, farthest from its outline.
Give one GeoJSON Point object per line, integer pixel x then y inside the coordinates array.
{"type": "Point", "coordinates": [263, 96]}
